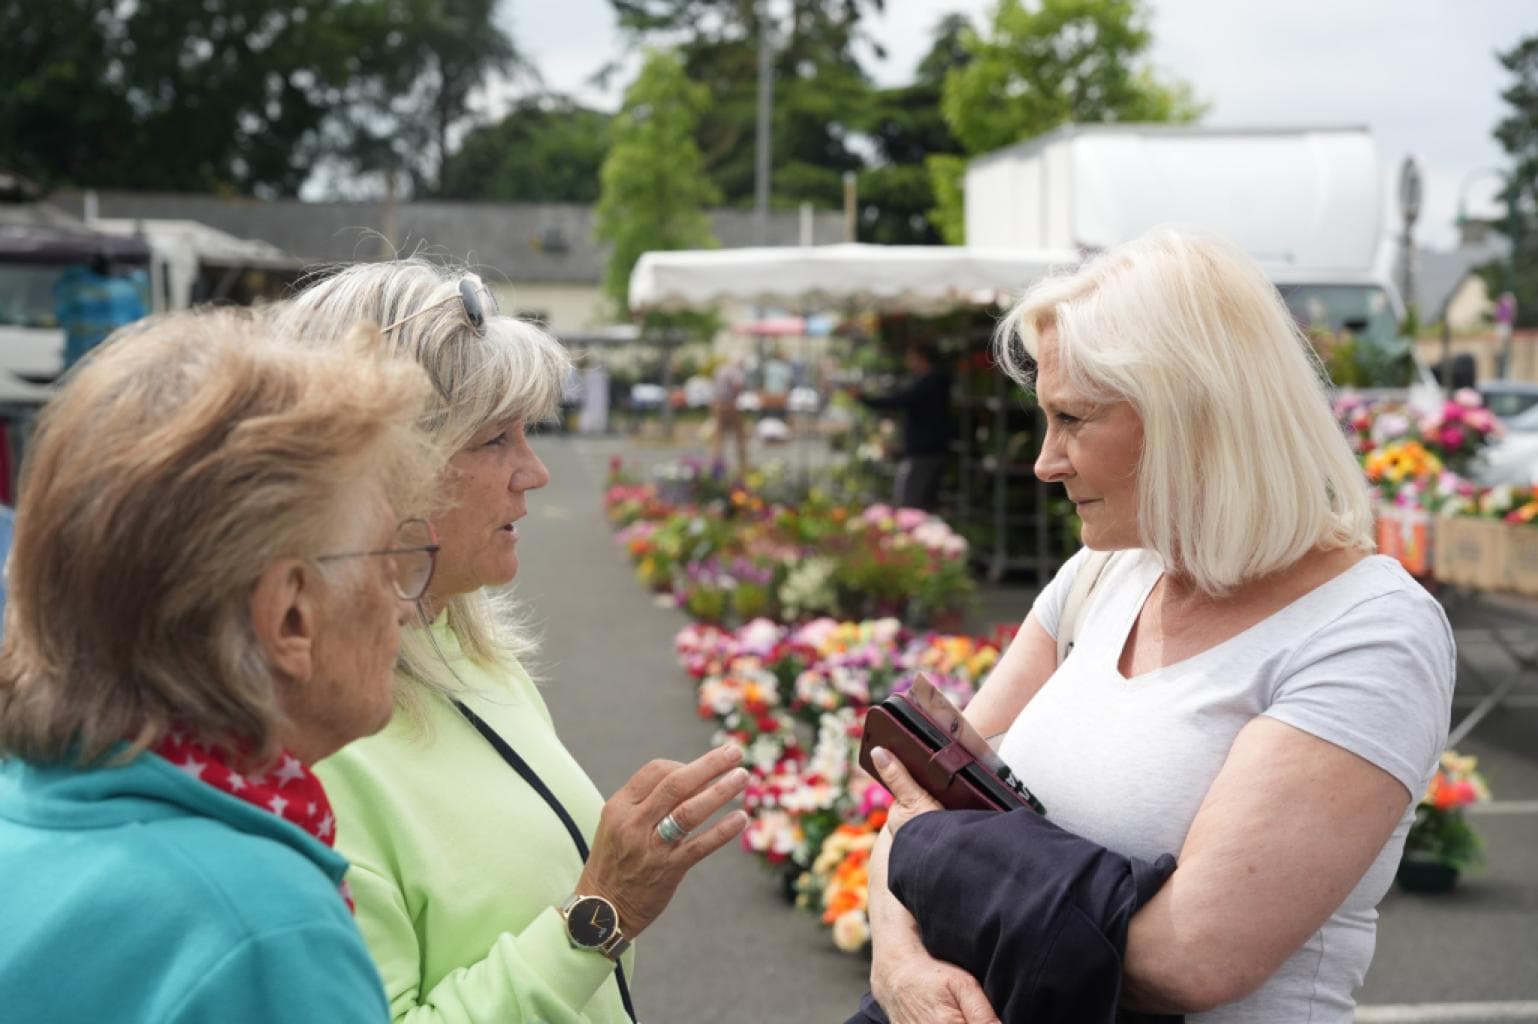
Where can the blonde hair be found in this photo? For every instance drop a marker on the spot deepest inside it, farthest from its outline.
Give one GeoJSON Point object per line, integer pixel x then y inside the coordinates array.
{"type": "Point", "coordinates": [1244, 468]}
{"type": "Point", "coordinates": [511, 371]}
{"type": "Point", "coordinates": [173, 468]}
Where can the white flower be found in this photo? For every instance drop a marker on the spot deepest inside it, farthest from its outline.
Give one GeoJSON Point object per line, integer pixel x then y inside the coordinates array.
{"type": "Point", "coordinates": [851, 931]}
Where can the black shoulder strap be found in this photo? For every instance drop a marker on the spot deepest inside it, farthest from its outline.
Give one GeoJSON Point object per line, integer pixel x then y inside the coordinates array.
{"type": "Point", "coordinates": [519, 765]}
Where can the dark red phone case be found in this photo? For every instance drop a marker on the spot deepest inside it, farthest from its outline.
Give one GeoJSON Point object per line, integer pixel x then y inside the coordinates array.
{"type": "Point", "coordinates": [948, 772]}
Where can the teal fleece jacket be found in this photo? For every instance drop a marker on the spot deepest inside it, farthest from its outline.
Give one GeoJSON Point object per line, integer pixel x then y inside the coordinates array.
{"type": "Point", "coordinates": [137, 893]}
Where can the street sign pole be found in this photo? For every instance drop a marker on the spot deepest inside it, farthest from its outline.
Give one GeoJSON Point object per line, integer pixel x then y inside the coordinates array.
{"type": "Point", "coordinates": [1409, 210]}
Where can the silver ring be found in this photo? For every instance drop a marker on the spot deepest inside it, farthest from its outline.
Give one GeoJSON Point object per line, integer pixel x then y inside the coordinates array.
{"type": "Point", "coordinates": [670, 830]}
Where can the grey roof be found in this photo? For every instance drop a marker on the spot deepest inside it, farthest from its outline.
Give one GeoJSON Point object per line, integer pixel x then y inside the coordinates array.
{"type": "Point", "coordinates": [1438, 274]}
{"type": "Point", "coordinates": [532, 242]}
{"type": "Point", "coordinates": [44, 233]}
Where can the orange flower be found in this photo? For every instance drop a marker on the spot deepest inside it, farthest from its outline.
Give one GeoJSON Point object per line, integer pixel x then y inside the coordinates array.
{"type": "Point", "coordinates": [840, 903]}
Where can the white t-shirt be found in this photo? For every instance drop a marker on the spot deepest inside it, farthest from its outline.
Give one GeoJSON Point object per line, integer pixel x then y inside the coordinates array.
{"type": "Point", "coordinates": [1365, 661]}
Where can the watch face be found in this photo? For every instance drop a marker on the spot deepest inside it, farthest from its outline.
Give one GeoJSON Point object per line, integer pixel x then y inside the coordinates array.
{"type": "Point", "coordinates": [592, 921]}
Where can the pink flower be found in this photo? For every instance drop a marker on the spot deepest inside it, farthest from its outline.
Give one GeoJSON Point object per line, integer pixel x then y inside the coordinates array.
{"type": "Point", "coordinates": [1451, 437]}
{"type": "Point", "coordinates": [1482, 420]}
{"type": "Point", "coordinates": [875, 797]}
{"type": "Point", "coordinates": [1468, 398]}
{"type": "Point", "coordinates": [877, 512]}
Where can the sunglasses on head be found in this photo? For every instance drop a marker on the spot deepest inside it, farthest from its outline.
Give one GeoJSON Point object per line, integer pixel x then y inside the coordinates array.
{"type": "Point", "coordinates": [475, 301]}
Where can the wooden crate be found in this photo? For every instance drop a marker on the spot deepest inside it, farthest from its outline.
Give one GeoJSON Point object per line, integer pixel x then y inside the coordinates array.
{"type": "Point", "coordinates": [1470, 552]}
{"type": "Point", "coordinates": [1520, 560]}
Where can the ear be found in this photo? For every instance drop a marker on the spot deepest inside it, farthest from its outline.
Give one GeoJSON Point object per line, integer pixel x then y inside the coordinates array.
{"type": "Point", "coordinates": [284, 617]}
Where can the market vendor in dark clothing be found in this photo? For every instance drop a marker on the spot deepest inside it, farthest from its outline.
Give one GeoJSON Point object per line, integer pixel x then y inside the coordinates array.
{"type": "Point", "coordinates": [925, 402]}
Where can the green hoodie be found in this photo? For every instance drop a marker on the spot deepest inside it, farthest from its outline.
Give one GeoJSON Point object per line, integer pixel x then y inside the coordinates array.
{"type": "Point", "coordinates": [458, 865]}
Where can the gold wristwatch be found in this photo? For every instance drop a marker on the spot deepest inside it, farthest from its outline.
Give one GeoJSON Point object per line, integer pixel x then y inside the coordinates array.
{"type": "Point", "coordinates": [593, 923]}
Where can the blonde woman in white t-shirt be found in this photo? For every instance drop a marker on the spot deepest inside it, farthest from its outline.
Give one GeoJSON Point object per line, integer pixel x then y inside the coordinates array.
{"type": "Point", "coordinates": [1251, 688]}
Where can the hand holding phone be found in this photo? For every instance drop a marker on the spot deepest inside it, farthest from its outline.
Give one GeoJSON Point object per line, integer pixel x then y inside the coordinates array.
{"type": "Point", "coordinates": [942, 751]}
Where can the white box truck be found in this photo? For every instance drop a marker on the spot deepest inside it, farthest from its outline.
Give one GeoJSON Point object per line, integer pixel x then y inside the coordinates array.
{"type": "Point", "coordinates": [1307, 203]}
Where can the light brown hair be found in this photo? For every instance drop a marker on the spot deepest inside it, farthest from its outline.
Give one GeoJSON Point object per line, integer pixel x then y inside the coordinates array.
{"type": "Point", "coordinates": [174, 467]}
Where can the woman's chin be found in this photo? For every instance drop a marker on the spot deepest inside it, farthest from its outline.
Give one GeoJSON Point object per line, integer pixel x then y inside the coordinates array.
{"type": "Point", "coordinates": [501, 574]}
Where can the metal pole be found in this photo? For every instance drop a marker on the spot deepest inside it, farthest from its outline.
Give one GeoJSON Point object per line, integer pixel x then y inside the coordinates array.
{"type": "Point", "coordinates": [851, 206]}
{"type": "Point", "coordinates": [765, 114]}
{"type": "Point", "coordinates": [1447, 355]}
{"type": "Point", "coordinates": [1409, 211]}
{"type": "Point", "coordinates": [1506, 324]}
{"type": "Point", "coordinates": [669, 340]}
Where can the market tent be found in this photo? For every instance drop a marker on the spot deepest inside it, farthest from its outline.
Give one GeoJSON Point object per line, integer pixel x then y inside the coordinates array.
{"type": "Point", "coordinates": [890, 279]}
{"type": "Point", "coordinates": [188, 250]}
{"type": "Point", "coordinates": [911, 278]}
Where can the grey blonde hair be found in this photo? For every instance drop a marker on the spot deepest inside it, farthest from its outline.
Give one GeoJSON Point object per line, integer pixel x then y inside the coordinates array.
{"type": "Point", "coordinates": [174, 467]}
{"type": "Point", "coordinates": [1244, 468]}
{"type": "Point", "coordinates": [512, 372]}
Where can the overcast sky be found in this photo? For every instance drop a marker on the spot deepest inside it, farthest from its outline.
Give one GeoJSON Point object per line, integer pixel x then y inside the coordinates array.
{"type": "Point", "coordinates": [1421, 74]}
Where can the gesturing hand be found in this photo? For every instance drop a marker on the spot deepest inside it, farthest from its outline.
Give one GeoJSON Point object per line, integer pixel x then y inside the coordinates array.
{"type": "Point", "coordinates": [631, 864]}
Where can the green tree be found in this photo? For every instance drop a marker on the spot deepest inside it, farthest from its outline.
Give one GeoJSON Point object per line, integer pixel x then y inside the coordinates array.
{"type": "Point", "coordinates": [170, 93]}
{"type": "Point", "coordinates": [546, 150]}
{"type": "Point", "coordinates": [1052, 63]}
{"type": "Point", "coordinates": [906, 129]}
{"type": "Point", "coordinates": [820, 92]}
{"type": "Point", "coordinates": [240, 96]}
{"type": "Point", "coordinates": [1517, 133]}
{"type": "Point", "coordinates": [425, 58]}
{"type": "Point", "coordinates": [654, 187]}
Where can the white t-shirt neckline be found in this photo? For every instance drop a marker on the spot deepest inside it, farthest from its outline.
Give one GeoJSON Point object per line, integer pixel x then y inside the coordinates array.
{"type": "Point", "coordinates": [1148, 575]}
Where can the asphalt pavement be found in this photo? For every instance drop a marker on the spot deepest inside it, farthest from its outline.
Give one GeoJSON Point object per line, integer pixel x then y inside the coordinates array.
{"type": "Point", "coordinates": [729, 946]}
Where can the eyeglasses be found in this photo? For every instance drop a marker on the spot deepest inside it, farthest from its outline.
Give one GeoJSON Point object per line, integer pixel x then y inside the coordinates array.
{"type": "Point", "coordinates": [413, 553]}
{"type": "Point", "coordinates": [475, 300]}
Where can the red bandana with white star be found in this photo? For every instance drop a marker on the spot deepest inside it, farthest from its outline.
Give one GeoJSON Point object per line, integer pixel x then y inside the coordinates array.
{"type": "Point", "coordinates": [289, 789]}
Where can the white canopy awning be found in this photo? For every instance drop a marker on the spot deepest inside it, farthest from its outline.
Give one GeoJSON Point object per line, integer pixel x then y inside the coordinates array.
{"type": "Point", "coordinates": [913, 278]}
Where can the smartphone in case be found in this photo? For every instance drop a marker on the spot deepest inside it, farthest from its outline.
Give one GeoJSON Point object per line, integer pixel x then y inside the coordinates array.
{"type": "Point", "coordinates": [943, 752]}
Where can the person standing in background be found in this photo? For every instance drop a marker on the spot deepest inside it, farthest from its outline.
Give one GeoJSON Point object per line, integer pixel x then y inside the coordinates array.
{"type": "Point", "coordinates": [925, 403]}
{"type": "Point", "coordinates": [730, 381]}
{"type": "Point", "coordinates": [90, 303]}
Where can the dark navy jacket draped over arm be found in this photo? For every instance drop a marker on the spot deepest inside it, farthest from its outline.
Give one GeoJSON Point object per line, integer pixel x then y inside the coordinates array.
{"type": "Point", "coordinates": [1037, 914]}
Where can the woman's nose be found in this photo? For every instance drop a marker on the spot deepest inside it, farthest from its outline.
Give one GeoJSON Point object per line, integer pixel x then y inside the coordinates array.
{"type": "Point", "coordinates": [1052, 465]}
{"type": "Point", "coordinates": [530, 474]}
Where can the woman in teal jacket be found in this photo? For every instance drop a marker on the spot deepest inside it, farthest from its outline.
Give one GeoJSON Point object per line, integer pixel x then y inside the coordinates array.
{"type": "Point", "coordinates": [197, 613]}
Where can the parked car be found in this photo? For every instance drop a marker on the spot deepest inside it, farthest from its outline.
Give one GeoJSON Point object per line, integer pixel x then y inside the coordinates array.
{"type": "Point", "coordinates": [1509, 399]}
{"type": "Point", "coordinates": [1513, 459]}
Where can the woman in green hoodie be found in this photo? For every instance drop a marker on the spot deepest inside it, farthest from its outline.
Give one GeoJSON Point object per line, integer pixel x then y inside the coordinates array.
{"type": "Point", "coordinates": [494, 882]}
